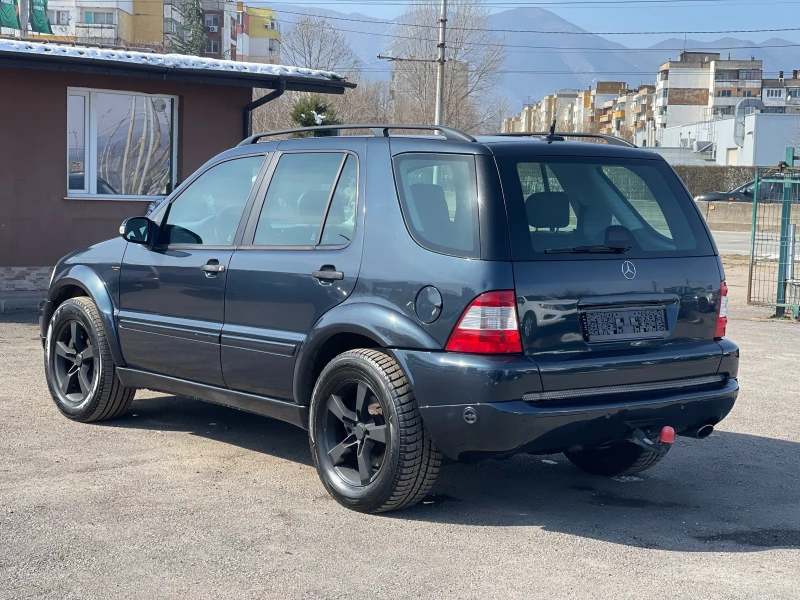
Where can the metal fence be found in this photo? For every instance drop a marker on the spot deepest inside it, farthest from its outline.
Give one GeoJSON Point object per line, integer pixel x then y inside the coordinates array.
{"type": "Point", "coordinates": [773, 279]}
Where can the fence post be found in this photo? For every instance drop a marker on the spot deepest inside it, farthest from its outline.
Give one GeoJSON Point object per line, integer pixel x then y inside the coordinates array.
{"type": "Point", "coordinates": [786, 218]}
{"type": "Point", "coordinates": [753, 239]}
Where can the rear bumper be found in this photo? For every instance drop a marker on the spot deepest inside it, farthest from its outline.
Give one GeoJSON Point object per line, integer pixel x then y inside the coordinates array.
{"type": "Point", "coordinates": [501, 424]}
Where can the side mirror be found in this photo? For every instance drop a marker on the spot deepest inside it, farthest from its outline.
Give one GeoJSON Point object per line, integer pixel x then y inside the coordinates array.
{"type": "Point", "coordinates": [138, 230]}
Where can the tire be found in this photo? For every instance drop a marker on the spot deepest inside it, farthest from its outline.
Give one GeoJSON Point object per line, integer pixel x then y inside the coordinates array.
{"type": "Point", "coordinates": [361, 398]}
{"type": "Point", "coordinates": [623, 458]}
{"type": "Point", "coordinates": [84, 387]}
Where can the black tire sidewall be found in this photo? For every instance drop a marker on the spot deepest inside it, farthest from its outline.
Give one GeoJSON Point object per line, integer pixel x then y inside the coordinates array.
{"type": "Point", "coordinates": [72, 310]}
{"type": "Point", "coordinates": [354, 368]}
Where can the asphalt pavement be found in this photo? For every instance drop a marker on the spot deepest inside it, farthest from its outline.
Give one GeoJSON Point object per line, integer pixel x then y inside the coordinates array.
{"type": "Point", "coordinates": [732, 242]}
{"type": "Point", "coordinates": [182, 499]}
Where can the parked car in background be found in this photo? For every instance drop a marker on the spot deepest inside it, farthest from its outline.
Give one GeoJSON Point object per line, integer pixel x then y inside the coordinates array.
{"type": "Point", "coordinates": [768, 192]}
{"type": "Point", "coordinates": [413, 297]}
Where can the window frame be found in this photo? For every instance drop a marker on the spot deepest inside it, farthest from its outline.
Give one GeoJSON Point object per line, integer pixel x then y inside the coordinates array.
{"type": "Point", "coordinates": [90, 146]}
{"type": "Point", "coordinates": [248, 240]}
{"type": "Point", "coordinates": [425, 244]}
{"type": "Point", "coordinates": [162, 211]}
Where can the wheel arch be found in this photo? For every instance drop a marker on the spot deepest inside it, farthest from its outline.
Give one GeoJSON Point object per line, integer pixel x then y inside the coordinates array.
{"type": "Point", "coordinates": [81, 280]}
{"type": "Point", "coordinates": [352, 326]}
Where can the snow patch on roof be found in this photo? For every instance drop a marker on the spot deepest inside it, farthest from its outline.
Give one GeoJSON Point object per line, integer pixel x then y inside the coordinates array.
{"type": "Point", "coordinates": [172, 61]}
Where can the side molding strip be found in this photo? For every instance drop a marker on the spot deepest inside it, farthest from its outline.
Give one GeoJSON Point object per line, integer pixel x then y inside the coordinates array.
{"type": "Point", "coordinates": [260, 405]}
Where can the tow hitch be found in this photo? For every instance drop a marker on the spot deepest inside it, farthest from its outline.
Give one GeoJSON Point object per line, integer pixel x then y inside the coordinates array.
{"type": "Point", "coordinates": [665, 440]}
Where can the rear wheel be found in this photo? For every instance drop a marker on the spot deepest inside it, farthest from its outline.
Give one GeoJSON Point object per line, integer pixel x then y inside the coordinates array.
{"type": "Point", "coordinates": [623, 458]}
{"type": "Point", "coordinates": [369, 444]}
{"type": "Point", "coordinates": [78, 366]}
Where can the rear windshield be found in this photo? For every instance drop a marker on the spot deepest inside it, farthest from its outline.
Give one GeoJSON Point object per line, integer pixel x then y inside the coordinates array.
{"type": "Point", "coordinates": [561, 207]}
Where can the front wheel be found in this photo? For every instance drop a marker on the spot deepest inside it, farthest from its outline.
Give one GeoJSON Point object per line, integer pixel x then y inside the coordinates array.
{"type": "Point", "coordinates": [78, 365]}
{"type": "Point", "coordinates": [369, 444]}
{"type": "Point", "coordinates": [622, 458]}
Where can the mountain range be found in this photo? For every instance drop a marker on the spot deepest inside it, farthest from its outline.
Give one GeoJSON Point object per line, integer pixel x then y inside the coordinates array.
{"type": "Point", "coordinates": [558, 61]}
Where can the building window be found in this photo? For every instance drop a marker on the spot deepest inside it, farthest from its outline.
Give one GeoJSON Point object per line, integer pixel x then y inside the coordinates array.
{"type": "Point", "coordinates": [793, 92]}
{"type": "Point", "coordinates": [752, 74]}
{"type": "Point", "coordinates": [724, 93]}
{"type": "Point", "coordinates": [99, 18]}
{"type": "Point", "coordinates": [58, 17]}
{"type": "Point", "coordinates": [726, 75]}
{"type": "Point", "coordinates": [212, 47]}
{"type": "Point", "coordinates": [274, 45]}
{"type": "Point", "coordinates": [775, 93]}
{"type": "Point", "coordinates": [120, 143]}
{"type": "Point", "coordinates": [212, 20]}
{"type": "Point", "coordinates": [747, 94]}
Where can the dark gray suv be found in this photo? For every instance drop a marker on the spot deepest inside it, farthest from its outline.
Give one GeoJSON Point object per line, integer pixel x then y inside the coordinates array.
{"type": "Point", "coordinates": [409, 298]}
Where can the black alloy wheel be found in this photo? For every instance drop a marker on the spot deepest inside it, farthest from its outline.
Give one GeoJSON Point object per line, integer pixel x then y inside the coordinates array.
{"type": "Point", "coordinates": [356, 435]}
{"type": "Point", "coordinates": [75, 360]}
{"type": "Point", "coordinates": [78, 364]}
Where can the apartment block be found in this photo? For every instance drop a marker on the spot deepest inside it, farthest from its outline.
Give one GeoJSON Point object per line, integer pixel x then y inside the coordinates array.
{"type": "Point", "coordinates": [781, 96]}
{"type": "Point", "coordinates": [158, 24]}
{"type": "Point", "coordinates": [265, 35]}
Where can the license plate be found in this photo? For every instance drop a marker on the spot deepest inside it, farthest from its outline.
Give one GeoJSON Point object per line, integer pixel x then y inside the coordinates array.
{"type": "Point", "coordinates": [618, 325]}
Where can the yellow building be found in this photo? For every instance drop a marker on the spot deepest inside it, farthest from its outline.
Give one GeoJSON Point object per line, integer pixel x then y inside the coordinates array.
{"type": "Point", "coordinates": [264, 32]}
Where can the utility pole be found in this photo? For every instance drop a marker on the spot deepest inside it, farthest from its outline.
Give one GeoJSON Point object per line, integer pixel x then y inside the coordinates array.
{"type": "Point", "coordinates": [441, 61]}
{"type": "Point", "coordinates": [23, 18]}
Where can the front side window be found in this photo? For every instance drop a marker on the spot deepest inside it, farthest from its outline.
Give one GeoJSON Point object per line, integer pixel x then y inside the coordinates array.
{"type": "Point", "coordinates": [307, 190]}
{"type": "Point", "coordinates": [120, 144]}
{"type": "Point", "coordinates": [209, 210]}
{"type": "Point", "coordinates": [559, 207]}
{"type": "Point", "coordinates": [439, 200]}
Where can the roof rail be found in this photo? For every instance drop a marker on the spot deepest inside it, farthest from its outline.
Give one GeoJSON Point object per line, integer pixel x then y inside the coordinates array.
{"type": "Point", "coordinates": [554, 137]}
{"type": "Point", "coordinates": [377, 130]}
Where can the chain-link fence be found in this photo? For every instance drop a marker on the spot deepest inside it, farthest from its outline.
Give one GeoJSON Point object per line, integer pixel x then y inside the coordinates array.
{"type": "Point", "coordinates": [774, 280]}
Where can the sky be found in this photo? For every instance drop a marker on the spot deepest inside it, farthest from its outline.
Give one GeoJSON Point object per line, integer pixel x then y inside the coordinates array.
{"type": "Point", "coordinates": [633, 15]}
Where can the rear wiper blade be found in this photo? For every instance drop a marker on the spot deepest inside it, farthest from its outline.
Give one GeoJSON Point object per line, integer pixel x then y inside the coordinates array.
{"type": "Point", "coordinates": [590, 250]}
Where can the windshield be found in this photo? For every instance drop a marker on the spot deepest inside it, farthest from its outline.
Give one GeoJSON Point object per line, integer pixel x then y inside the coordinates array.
{"type": "Point", "coordinates": [568, 207]}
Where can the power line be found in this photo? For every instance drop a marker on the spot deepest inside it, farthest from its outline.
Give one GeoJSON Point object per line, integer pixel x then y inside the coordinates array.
{"type": "Point", "coordinates": [550, 32]}
{"type": "Point", "coordinates": [557, 48]}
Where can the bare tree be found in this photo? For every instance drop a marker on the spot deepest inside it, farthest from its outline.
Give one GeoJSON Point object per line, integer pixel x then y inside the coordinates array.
{"type": "Point", "coordinates": [316, 44]}
{"type": "Point", "coordinates": [368, 103]}
{"type": "Point", "coordinates": [474, 56]}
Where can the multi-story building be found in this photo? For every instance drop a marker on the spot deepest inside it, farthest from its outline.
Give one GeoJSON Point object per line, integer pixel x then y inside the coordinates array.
{"type": "Point", "coordinates": [160, 24]}
{"type": "Point", "coordinates": [582, 111]}
{"type": "Point", "coordinates": [265, 35]}
{"type": "Point", "coordinates": [641, 108]}
{"type": "Point", "coordinates": [781, 95]}
{"type": "Point", "coordinates": [702, 84]}
{"type": "Point", "coordinates": [220, 23]}
{"type": "Point", "coordinates": [137, 23]}
{"type": "Point", "coordinates": [603, 92]}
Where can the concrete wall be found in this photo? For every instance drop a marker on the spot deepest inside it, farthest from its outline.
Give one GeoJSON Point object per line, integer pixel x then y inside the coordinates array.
{"type": "Point", "coordinates": [37, 224]}
{"type": "Point", "coordinates": [738, 216]}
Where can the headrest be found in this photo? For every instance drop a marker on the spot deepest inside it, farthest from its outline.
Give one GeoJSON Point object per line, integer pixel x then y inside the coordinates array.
{"type": "Point", "coordinates": [311, 207]}
{"type": "Point", "coordinates": [548, 210]}
{"type": "Point", "coordinates": [431, 205]}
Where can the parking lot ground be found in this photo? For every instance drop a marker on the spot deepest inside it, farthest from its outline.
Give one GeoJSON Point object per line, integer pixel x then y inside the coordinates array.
{"type": "Point", "coordinates": [182, 499]}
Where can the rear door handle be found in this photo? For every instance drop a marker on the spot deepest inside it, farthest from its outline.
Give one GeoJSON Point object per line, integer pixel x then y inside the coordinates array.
{"type": "Point", "coordinates": [328, 273]}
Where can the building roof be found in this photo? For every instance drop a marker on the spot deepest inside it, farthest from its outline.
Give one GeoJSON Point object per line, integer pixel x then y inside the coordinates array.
{"type": "Point", "coordinates": [175, 67]}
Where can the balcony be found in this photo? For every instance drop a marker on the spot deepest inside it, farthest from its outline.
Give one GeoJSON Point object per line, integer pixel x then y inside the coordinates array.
{"type": "Point", "coordinates": [93, 33]}
{"type": "Point", "coordinates": [619, 114]}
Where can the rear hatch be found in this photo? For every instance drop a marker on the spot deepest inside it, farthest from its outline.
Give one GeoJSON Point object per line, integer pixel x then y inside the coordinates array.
{"type": "Point", "coordinates": [617, 281]}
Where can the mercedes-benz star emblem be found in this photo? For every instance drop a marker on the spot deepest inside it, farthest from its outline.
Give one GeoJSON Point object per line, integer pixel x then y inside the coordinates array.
{"type": "Point", "coordinates": [628, 270]}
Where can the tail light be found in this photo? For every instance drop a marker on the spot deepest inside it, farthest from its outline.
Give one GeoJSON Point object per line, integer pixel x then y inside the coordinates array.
{"type": "Point", "coordinates": [488, 326]}
{"type": "Point", "coordinates": [722, 320]}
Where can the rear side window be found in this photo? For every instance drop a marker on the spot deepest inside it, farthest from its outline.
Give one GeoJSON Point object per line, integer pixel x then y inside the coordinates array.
{"type": "Point", "coordinates": [558, 204]}
{"type": "Point", "coordinates": [305, 188]}
{"type": "Point", "coordinates": [439, 200]}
